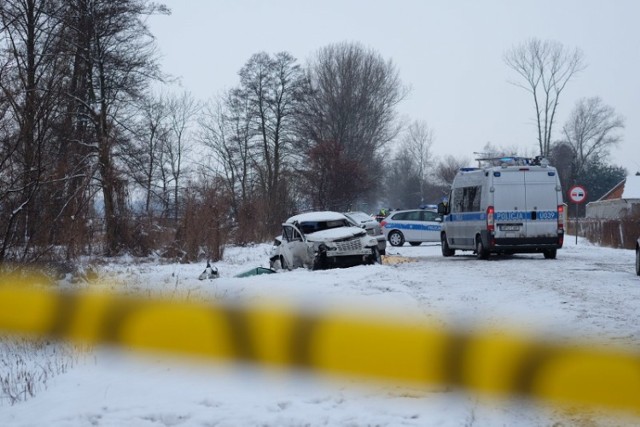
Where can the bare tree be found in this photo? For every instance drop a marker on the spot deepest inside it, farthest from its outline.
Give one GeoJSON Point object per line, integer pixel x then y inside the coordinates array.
{"type": "Point", "coordinates": [144, 155]}
{"type": "Point", "coordinates": [70, 74]}
{"type": "Point", "coordinates": [418, 141]}
{"type": "Point", "coordinates": [355, 93]}
{"type": "Point", "coordinates": [448, 167]}
{"type": "Point", "coordinates": [491, 155]}
{"type": "Point", "coordinates": [591, 130]}
{"type": "Point", "coordinates": [562, 157]}
{"type": "Point", "coordinates": [272, 89]}
{"type": "Point", "coordinates": [545, 68]}
{"type": "Point", "coordinates": [203, 230]}
{"type": "Point", "coordinates": [181, 111]}
{"type": "Point", "coordinates": [115, 55]}
{"type": "Point", "coordinates": [250, 131]}
{"type": "Point", "coordinates": [31, 77]}
{"type": "Point", "coordinates": [403, 183]}
{"type": "Point", "coordinates": [225, 129]}
{"type": "Point", "coordinates": [330, 169]}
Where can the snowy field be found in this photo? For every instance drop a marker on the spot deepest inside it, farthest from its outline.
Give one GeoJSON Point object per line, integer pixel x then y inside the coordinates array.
{"type": "Point", "coordinates": [588, 292]}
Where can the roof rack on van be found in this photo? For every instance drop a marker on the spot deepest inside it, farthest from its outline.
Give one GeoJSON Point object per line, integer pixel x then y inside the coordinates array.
{"type": "Point", "coordinates": [515, 161]}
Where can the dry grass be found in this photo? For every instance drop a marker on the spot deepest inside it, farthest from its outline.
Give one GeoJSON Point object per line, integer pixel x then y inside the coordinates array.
{"type": "Point", "coordinates": [27, 365]}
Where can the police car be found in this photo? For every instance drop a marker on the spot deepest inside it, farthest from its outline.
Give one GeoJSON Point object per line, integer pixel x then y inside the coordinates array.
{"type": "Point", "coordinates": [413, 225]}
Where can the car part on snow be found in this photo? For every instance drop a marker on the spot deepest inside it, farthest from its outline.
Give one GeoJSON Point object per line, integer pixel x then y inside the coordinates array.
{"type": "Point", "coordinates": [255, 272]}
{"type": "Point", "coordinates": [209, 272]}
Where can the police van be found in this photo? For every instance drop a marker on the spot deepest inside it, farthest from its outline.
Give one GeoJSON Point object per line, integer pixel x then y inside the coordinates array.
{"type": "Point", "coordinates": [513, 206]}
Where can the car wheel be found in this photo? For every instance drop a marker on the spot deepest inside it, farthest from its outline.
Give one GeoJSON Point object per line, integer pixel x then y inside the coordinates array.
{"type": "Point", "coordinates": [285, 265]}
{"type": "Point", "coordinates": [550, 253]}
{"type": "Point", "coordinates": [415, 243]}
{"type": "Point", "coordinates": [638, 261]}
{"type": "Point", "coordinates": [481, 252]}
{"type": "Point", "coordinates": [396, 238]}
{"type": "Point", "coordinates": [446, 250]}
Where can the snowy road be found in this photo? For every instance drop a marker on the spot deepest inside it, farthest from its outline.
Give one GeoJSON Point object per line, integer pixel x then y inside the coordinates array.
{"type": "Point", "coordinates": [588, 292]}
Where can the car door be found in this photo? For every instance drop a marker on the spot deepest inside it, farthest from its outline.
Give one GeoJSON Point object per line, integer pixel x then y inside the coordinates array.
{"type": "Point", "coordinates": [542, 203]}
{"type": "Point", "coordinates": [295, 250]}
{"type": "Point", "coordinates": [432, 225]}
{"type": "Point", "coordinates": [413, 228]}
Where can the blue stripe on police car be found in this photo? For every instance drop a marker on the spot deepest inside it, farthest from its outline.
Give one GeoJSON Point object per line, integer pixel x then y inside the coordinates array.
{"type": "Point", "coordinates": [417, 226]}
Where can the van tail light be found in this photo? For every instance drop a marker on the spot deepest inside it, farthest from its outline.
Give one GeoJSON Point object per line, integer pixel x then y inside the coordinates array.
{"type": "Point", "coordinates": [560, 225]}
{"type": "Point", "coordinates": [560, 217]}
{"type": "Point", "coordinates": [490, 222]}
{"type": "Point", "coordinates": [383, 223]}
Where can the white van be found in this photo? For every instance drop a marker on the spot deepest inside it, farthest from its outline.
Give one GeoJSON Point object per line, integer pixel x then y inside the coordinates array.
{"type": "Point", "coordinates": [514, 207]}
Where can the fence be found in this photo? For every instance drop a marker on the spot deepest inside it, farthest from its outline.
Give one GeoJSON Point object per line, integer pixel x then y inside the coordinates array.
{"type": "Point", "coordinates": [616, 233]}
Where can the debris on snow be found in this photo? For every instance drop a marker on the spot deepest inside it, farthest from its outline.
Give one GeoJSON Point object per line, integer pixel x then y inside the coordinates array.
{"type": "Point", "coordinates": [209, 272]}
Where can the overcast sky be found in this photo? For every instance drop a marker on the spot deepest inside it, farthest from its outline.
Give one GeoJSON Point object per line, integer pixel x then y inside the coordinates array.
{"type": "Point", "coordinates": [449, 52]}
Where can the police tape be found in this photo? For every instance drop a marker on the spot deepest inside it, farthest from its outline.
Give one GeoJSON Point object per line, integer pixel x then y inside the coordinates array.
{"type": "Point", "coordinates": [334, 343]}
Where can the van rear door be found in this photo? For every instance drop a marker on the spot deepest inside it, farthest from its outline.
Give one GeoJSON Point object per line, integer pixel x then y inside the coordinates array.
{"type": "Point", "coordinates": [542, 203]}
{"type": "Point", "coordinates": [510, 203]}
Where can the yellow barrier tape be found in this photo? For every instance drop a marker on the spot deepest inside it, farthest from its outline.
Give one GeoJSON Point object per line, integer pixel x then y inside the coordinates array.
{"type": "Point", "coordinates": [332, 343]}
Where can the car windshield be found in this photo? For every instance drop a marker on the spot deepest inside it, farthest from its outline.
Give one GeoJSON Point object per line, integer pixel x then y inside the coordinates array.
{"type": "Point", "coordinates": [313, 226]}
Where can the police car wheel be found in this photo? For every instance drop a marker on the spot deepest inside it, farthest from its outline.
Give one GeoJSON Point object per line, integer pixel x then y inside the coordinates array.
{"type": "Point", "coordinates": [550, 254]}
{"type": "Point", "coordinates": [638, 261]}
{"type": "Point", "coordinates": [396, 238]}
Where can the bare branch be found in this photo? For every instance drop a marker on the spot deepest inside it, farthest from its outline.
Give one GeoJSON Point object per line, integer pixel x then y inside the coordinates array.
{"type": "Point", "coordinates": [591, 131]}
{"type": "Point", "coordinates": [545, 68]}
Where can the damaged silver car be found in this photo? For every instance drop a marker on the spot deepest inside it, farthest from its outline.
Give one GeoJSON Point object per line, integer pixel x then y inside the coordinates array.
{"type": "Point", "coordinates": [320, 240]}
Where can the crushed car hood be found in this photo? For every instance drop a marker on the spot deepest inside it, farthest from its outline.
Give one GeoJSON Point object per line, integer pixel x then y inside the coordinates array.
{"type": "Point", "coordinates": [334, 234]}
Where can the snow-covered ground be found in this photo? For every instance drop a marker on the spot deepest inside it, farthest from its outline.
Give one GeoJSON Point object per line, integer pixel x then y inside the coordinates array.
{"type": "Point", "coordinates": [588, 292]}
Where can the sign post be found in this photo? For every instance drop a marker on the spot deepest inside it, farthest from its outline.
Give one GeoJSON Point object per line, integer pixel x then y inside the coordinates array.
{"type": "Point", "coordinates": [577, 194]}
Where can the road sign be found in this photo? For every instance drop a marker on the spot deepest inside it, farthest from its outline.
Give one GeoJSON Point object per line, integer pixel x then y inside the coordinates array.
{"type": "Point", "coordinates": [577, 194]}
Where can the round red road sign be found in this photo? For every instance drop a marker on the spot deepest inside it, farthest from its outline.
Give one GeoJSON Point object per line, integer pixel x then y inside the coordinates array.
{"type": "Point", "coordinates": [577, 194]}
